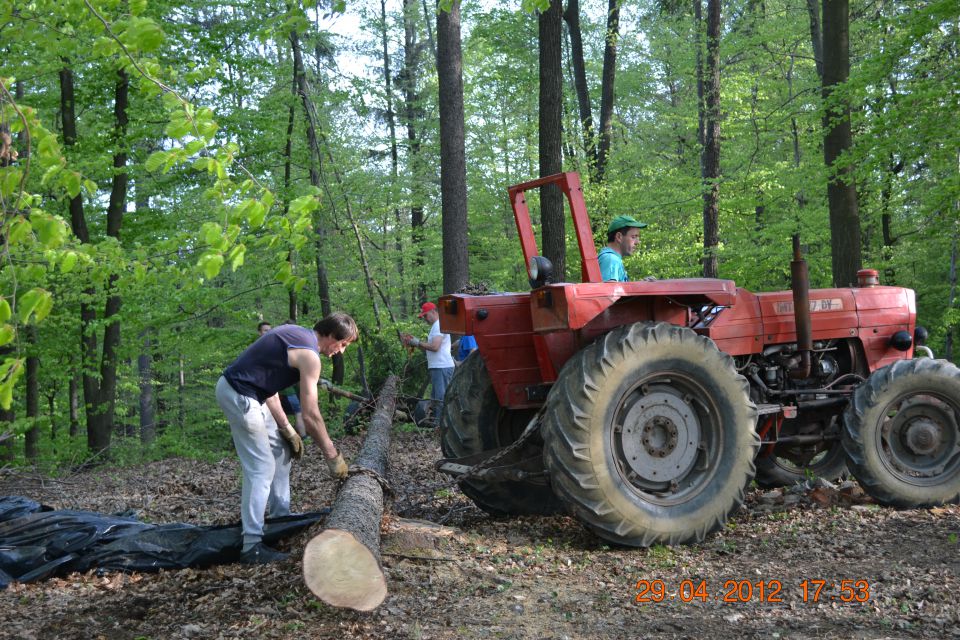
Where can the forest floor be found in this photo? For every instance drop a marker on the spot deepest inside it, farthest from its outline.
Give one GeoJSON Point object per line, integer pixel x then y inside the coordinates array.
{"type": "Point", "coordinates": [481, 577]}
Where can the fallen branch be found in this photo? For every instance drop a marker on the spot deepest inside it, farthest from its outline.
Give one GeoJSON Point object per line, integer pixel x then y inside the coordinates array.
{"type": "Point", "coordinates": [337, 391]}
{"type": "Point", "coordinates": [341, 566]}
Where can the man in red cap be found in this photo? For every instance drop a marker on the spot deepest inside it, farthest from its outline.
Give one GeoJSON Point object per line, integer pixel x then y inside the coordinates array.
{"type": "Point", "coordinates": [439, 359]}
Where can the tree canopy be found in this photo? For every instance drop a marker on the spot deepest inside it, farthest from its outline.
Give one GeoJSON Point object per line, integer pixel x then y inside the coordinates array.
{"type": "Point", "coordinates": [170, 175]}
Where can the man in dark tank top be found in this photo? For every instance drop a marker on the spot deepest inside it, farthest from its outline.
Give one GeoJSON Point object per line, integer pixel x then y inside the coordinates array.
{"type": "Point", "coordinates": [247, 393]}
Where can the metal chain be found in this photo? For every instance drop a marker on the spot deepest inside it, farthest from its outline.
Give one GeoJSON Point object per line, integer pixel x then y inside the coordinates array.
{"type": "Point", "coordinates": [476, 470]}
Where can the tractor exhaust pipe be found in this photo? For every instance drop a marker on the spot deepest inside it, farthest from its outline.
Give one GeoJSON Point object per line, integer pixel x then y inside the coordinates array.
{"type": "Point", "coordinates": [800, 285]}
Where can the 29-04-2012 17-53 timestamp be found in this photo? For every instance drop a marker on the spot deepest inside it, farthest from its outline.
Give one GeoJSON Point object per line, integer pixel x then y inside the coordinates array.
{"type": "Point", "coordinates": [809, 591]}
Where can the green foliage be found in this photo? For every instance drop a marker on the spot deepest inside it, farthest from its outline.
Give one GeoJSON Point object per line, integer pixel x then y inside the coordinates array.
{"type": "Point", "coordinates": [217, 235]}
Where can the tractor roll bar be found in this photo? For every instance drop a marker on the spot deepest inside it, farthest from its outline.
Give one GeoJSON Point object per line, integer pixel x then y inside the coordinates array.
{"type": "Point", "coordinates": [569, 184]}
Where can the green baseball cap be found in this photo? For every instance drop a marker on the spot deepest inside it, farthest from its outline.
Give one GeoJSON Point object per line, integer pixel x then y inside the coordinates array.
{"type": "Point", "coordinates": [624, 222]}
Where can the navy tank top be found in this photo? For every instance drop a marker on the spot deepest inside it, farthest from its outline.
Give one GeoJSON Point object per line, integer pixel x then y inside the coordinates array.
{"type": "Point", "coordinates": [262, 369]}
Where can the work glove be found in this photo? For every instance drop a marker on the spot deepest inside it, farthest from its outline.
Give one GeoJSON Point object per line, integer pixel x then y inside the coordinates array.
{"type": "Point", "coordinates": [337, 467]}
{"type": "Point", "coordinates": [294, 441]}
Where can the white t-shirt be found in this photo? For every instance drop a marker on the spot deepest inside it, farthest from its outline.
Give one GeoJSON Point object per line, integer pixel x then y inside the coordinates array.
{"type": "Point", "coordinates": [439, 359]}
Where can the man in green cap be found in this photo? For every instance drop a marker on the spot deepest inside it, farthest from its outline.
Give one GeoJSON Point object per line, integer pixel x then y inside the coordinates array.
{"type": "Point", "coordinates": [623, 236]}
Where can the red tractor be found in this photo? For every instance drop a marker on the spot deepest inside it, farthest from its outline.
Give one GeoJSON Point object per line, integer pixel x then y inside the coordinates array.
{"type": "Point", "coordinates": [646, 408]}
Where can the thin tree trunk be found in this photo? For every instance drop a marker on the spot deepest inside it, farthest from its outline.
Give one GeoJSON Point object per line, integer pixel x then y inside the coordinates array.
{"type": "Point", "coordinates": [550, 129]}
{"type": "Point", "coordinates": [698, 43]}
{"type": "Point", "coordinates": [428, 21]}
{"type": "Point", "coordinates": [948, 340]}
{"type": "Point", "coordinates": [148, 416]}
{"type": "Point", "coordinates": [73, 391]}
{"type": "Point", "coordinates": [32, 435]}
{"type": "Point", "coordinates": [607, 86]}
{"type": "Point", "coordinates": [411, 61]}
{"type": "Point", "coordinates": [453, 166]}
{"type": "Point", "coordinates": [316, 161]}
{"type": "Point", "coordinates": [392, 127]}
{"type": "Point", "coordinates": [711, 143]}
{"type": "Point", "coordinates": [572, 17]}
{"type": "Point", "coordinates": [838, 137]}
{"type": "Point", "coordinates": [816, 35]}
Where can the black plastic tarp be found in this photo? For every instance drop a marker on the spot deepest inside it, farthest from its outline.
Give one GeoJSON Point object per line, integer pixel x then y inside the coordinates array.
{"type": "Point", "coordinates": [37, 542]}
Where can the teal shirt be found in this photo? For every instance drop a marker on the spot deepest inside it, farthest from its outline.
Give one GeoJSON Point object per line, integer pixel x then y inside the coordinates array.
{"type": "Point", "coordinates": [611, 266]}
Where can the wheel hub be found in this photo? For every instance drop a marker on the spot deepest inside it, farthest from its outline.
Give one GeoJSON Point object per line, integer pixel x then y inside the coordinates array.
{"type": "Point", "coordinates": [922, 436]}
{"type": "Point", "coordinates": [659, 437]}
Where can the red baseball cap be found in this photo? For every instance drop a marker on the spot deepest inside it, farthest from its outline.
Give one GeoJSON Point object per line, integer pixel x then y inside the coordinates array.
{"type": "Point", "coordinates": [427, 307]}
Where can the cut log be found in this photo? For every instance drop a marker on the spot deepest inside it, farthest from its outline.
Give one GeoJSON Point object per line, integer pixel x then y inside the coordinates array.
{"type": "Point", "coordinates": [341, 565]}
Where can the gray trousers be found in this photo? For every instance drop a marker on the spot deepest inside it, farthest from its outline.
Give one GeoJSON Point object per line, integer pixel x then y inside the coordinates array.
{"type": "Point", "coordinates": [264, 458]}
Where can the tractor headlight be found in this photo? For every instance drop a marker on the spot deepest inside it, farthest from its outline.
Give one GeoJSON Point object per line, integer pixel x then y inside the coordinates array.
{"type": "Point", "coordinates": [541, 272]}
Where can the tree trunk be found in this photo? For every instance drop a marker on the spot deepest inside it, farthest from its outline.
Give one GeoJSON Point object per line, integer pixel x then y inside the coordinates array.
{"type": "Point", "coordinates": [550, 129]}
{"type": "Point", "coordinates": [7, 416]}
{"type": "Point", "coordinates": [710, 165]}
{"type": "Point", "coordinates": [606, 86]}
{"type": "Point", "coordinates": [698, 43]}
{"type": "Point", "coordinates": [841, 188]}
{"type": "Point", "coordinates": [148, 416]}
{"type": "Point", "coordinates": [453, 166]}
{"type": "Point", "coordinates": [948, 340]}
{"type": "Point", "coordinates": [342, 564]}
{"type": "Point", "coordinates": [73, 392]}
{"type": "Point", "coordinates": [323, 284]}
{"type": "Point", "coordinates": [816, 35]}
{"type": "Point", "coordinates": [392, 127]}
{"type": "Point", "coordinates": [99, 392]}
{"type": "Point", "coordinates": [411, 61]}
{"type": "Point", "coordinates": [572, 17]}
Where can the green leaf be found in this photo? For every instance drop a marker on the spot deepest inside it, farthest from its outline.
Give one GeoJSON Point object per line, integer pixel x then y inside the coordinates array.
{"type": "Point", "coordinates": [211, 232]}
{"type": "Point", "coordinates": [50, 174]}
{"type": "Point", "coordinates": [7, 334]}
{"type": "Point", "coordinates": [4, 310]}
{"type": "Point", "coordinates": [179, 126]}
{"type": "Point", "coordinates": [19, 229]}
{"type": "Point", "coordinates": [267, 200]}
{"type": "Point", "coordinates": [137, 7]}
{"type": "Point", "coordinates": [144, 33]}
{"type": "Point", "coordinates": [72, 183]}
{"type": "Point", "coordinates": [10, 182]}
{"type": "Point", "coordinates": [44, 307]}
{"type": "Point", "coordinates": [31, 303]}
{"type": "Point", "coordinates": [236, 256]}
{"type": "Point", "coordinates": [68, 262]}
{"type": "Point", "coordinates": [90, 187]}
{"type": "Point", "coordinates": [51, 231]}
{"type": "Point", "coordinates": [210, 264]}
{"type": "Point", "coordinates": [48, 149]}
{"type": "Point", "coordinates": [156, 160]}
{"type": "Point", "coordinates": [303, 204]}
{"type": "Point", "coordinates": [10, 372]}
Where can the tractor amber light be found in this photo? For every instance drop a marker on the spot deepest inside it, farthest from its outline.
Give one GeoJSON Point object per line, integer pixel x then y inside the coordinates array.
{"type": "Point", "coordinates": [450, 306]}
{"type": "Point", "coordinates": [545, 298]}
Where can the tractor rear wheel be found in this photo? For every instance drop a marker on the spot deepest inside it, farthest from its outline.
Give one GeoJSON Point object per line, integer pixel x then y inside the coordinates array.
{"type": "Point", "coordinates": [789, 464]}
{"type": "Point", "coordinates": [650, 435]}
{"type": "Point", "coordinates": [472, 421]}
{"type": "Point", "coordinates": [902, 436]}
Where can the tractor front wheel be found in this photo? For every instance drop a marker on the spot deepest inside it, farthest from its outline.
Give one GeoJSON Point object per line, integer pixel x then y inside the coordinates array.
{"type": "Point", "coordinates": [650, 435]}
{"type": "Point", "coordinates": [902, 436]}
{"type": "Point", "coordinates": [472, 422]}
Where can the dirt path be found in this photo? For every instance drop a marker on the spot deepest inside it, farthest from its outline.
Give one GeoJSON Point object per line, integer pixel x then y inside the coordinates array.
{"type": "Point", "coordinates": [479, 577]}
